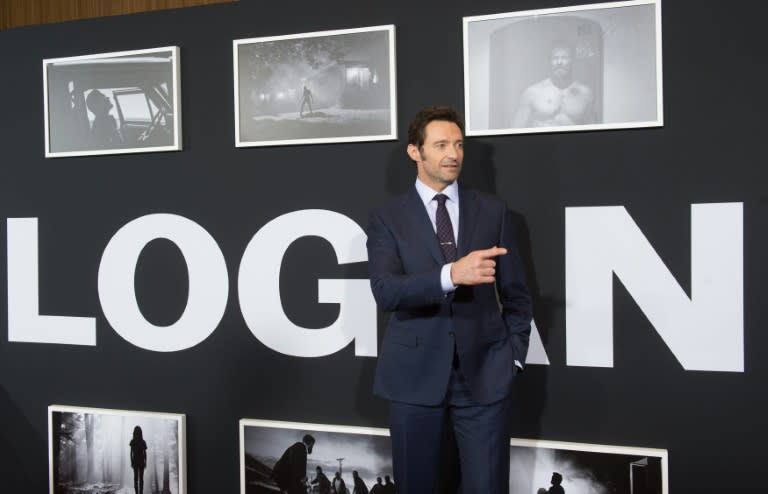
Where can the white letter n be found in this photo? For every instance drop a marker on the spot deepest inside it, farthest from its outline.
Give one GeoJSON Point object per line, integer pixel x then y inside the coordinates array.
{"type": "Point", "coordinates": [704, 332]}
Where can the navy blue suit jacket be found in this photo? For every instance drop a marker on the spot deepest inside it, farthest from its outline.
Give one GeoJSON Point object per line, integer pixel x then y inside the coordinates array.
{"type": "Point", "coordinates": [489, 324]}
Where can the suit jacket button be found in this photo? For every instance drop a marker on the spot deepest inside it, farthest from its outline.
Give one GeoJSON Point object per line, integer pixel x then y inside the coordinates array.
{"type": "Point", "coordinates": [451, 334]}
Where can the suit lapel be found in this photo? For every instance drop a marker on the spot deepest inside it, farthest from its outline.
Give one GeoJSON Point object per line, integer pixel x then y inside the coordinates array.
{"type": "Point", "coordinates": [468, 210]}
{"type": "Point", "coordinates": [420, 222]}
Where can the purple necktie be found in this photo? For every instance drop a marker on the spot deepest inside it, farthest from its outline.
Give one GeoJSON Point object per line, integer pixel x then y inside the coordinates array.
{"type": "Point", "coordinates": [445, 229]}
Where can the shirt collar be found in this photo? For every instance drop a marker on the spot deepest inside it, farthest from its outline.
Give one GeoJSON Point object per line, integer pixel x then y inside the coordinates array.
{"type": "Point", "coordinates": [426, 193]}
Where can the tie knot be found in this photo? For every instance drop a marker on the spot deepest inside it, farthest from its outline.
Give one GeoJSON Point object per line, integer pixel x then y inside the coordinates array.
{"type": "Point", "coordinates": [441, 198]}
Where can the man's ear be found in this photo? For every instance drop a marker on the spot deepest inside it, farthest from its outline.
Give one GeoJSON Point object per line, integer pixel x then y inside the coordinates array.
{"type": "Point", "coordinates": [413, 152]}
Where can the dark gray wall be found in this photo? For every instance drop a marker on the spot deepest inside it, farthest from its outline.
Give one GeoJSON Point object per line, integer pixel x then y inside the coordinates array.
{"type": "Point", "coordinates": [710, 150]}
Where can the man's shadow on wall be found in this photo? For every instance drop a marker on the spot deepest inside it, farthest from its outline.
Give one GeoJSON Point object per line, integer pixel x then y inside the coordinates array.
{"type": "Point", "coordinates": [478, 172]}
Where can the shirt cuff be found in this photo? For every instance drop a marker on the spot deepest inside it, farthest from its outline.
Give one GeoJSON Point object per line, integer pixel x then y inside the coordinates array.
{"type": "Point", "coordinates": [445, 279]}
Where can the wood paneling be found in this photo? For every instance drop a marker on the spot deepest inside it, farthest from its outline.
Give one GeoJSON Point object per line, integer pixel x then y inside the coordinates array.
{"type": "Point", "coordinates": [17, 13]}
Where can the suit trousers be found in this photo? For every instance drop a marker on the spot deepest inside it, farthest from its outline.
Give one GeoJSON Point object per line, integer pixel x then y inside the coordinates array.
{"type": "Point", "coordinates": [482, 436]}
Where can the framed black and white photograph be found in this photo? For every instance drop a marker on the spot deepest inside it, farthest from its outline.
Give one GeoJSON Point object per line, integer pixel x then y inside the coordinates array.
{"type": "Point", "coordinates": [576, 468]}
{"type": "Point", "coordinates": [94, 450]}
{"type": "Point", "coordinates": [321, 87]}
{"type": "Point", "coordinates": [276, 457]}
{"type": "Point", "coordinates": [112, 103]}
{"type": "Point", "coordinates": [586, 67]}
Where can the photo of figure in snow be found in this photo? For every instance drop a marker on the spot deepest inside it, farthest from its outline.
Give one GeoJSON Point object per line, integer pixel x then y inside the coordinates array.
{"type": "Point", "coordinates": [103, 452]}
{"type": "Point", "coordinates": [315, 88]}
{"type": "Point", "coordinates": [278, 459]}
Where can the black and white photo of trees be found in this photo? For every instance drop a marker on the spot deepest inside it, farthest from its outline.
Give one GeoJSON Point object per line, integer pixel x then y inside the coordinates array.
{"type": "Point", "coordinates": [91, 452]}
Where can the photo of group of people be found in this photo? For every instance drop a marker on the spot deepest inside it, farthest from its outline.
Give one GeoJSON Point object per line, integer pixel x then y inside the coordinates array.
{"type": "Point", "coordinates": [300, 458]}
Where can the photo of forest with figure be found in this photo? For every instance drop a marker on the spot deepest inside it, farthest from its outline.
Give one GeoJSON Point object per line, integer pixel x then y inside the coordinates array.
{"type": "Point", "coordinates": [111, 452]}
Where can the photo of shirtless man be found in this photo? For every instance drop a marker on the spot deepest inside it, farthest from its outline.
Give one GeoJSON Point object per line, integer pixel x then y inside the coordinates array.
{"type": "Point", "coordinates": [558, 100]}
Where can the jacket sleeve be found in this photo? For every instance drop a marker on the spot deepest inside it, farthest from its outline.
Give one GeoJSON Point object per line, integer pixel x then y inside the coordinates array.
{"type": "Point", "coordinates": [514, 297]}
{"type": "Point", "coordinates": [394, 287]}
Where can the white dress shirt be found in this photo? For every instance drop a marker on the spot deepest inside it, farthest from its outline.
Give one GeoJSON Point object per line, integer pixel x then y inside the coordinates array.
{"type": "Point", "coordinates": [427, 195]}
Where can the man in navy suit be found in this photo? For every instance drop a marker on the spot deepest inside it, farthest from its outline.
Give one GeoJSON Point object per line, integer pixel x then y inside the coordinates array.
{"type": "Point", "coordinates": [444, 261]}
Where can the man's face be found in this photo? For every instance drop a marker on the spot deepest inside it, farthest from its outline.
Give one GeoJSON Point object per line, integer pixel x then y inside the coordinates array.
{"type": "Point", "coordinates": [561, 61]}
{"type": "Point", "coordinates": [439, 160]}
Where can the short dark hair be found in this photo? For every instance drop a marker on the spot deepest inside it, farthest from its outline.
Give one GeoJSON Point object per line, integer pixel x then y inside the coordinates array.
{"type": "Point", "coordinates": [96, 101]}
{"type": "Point", "coordinates": [561, 43]}
{"type": "Point", "coordinates": [308, 439]}
{"type": "Point", "coordinates": [417, 129]}
{"type": "Point", "coordinates": [557, 478]}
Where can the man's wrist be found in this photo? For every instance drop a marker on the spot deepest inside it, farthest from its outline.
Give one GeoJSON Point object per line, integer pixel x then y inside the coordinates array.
{"type": "Point", "coordinates": [446, 280]}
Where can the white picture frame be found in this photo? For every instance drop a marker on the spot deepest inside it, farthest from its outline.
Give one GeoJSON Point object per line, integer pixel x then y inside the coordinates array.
{"type": "Point", "coordinates": [112, 103]}
{"type": "Point", "coordinates": [338, 448]}
{"type": "Point", "coordinates": [92, 446]}
{"type": "Point", "coordinates": [587, 467]}
{"type": "Point", "coordinates": [576, 68]}
{"type": "Point", "coordinates": [316, 88]}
